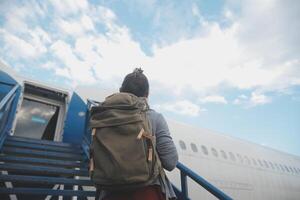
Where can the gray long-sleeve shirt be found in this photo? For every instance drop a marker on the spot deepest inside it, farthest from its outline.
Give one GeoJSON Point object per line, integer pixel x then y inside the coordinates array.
{"type": "Point", "coordinates": [165, 148]}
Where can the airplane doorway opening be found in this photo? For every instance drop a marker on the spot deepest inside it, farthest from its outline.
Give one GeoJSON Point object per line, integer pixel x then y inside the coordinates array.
{"type": "Point", "coordinates": [42, 113]}
{"type": "Point", "coordinates": [37, 120]}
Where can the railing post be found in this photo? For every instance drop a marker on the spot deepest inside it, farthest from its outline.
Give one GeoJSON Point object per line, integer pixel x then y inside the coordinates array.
{"type": "Point", "coordinates": [184, 172]}
{"type": "Point", "coordinates": [184, 187]}
{"type": "Point", "coordinates": [6, 104]}
{"type": "Point", "coordinates": [87, 139]}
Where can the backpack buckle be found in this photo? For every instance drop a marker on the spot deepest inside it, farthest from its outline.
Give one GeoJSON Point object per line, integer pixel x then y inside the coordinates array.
{"type": "Point", "coordinates": [142, 133]}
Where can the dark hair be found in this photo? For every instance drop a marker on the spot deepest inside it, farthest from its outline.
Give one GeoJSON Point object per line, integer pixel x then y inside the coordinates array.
{"type": "Point", "coordinates": [136, 83]}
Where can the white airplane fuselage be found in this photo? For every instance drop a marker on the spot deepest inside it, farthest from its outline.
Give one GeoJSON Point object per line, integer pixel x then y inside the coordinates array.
{"type": "Point", "coordinates": [246, 171]}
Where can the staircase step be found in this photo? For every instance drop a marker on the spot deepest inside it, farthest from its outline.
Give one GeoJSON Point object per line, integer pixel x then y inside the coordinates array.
{"type": "Point", "coordinates": [42, 170]}
{"type": "Point", "coordinates": [41, 147]}
{"type": "Point", "coordinates": [44, 154]}
{"type": "Point", "coordinates": [42, 161]}
{"type": "Point", "coordinates": [39, 191]}
{"type": "Point", "coordinates": [39, 141]}
{"type": "Point", "coordinates": [44, 180]}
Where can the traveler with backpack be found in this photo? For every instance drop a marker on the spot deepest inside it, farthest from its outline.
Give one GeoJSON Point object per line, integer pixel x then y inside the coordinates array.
{"type": "Point", "coordinates": [131, 145]}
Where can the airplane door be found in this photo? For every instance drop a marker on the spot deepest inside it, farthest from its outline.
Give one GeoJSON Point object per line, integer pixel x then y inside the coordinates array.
{"type": "Point", "coordinates": [36, 120]}
{"type": "Point", "coordinates": [42, 112]}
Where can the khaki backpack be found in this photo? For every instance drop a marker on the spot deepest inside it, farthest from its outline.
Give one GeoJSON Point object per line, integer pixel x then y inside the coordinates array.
{"type": "Point", "coordinates": [123, 149]}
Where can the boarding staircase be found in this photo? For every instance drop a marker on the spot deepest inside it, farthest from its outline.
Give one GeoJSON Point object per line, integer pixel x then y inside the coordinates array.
{"type": "Point", "coordinates": [41, 169]}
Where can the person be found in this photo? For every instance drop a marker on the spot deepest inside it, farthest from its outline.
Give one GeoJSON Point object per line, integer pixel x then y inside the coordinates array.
{"type": "Point", "coordinates": [137, 83]}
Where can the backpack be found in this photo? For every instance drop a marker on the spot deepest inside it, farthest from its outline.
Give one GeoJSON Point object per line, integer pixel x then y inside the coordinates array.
{"type": "Point", "coordinates": [123, 149]}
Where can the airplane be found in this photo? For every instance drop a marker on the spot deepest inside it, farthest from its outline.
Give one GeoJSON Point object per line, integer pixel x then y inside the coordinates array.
{"type": "Point", "coordinates": [233, 167]}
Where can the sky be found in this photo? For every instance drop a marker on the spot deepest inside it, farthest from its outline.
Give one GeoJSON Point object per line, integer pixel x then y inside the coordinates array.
{"type": "Point", "coordinates": [229, 66]}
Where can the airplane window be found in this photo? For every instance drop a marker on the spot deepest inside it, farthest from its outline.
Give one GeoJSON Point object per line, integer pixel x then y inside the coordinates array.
{"type": "Point", "coordinates": [232, 157]}
{"type": "Point", "coordinates": [271, 164]}
{"type": "Point", "coordinates": [182, 145]}
{"type": "Point", "coordinates": [291, 169]}
{"type": "Point", "coordinates": [214, 152]}
{"type": "Point", "coordinates": [240, 158]}
{"type": "Point", "coordinates": [282, 168]}
{"type": "Point", "coordinates": [223, 154]}
{"type": "Point", "coordinates": [296, 170]}
{"type": "Point", "coordinates": [204, 150]}
{"type": "Point", "coordinates": [247, 160]}
{"type": "Point", "coordinates": [287, 169]}
{"type": "Point", "coordinates": [276, 165]}
{"type": "Point", "coordinates": [194, 147]}
{"type": "Point", "coordinates": [254, 161]}
{"type": "Point", "coordinates": [260, 163]}
{"type": "Point", "coordinates": [266, 164]}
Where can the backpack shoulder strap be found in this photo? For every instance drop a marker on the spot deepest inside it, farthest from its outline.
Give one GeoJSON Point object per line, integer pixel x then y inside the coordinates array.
{"type": "Point", "coordinates": [162, 173]}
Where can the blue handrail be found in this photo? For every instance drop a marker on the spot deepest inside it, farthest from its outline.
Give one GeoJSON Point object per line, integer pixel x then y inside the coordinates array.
{"type": "Point", "coordinates": [91, 103]}
{"type": "Point", "coordinates": [186, 172]}
{"type": "Point", "coordinates": [87, 134]}
{"type": "Point", "coordinates": [6, 105]}
{"type": "Point", "coordinates": [11, 93]}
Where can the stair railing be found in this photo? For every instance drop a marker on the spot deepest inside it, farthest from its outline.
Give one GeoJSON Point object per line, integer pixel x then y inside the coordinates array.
{"type": "Point", "coordinates": [87, 134]}
{"type": "Point", "coordinates": [187, 172]}
{"type": "Point", "coordinates": [6, 114]}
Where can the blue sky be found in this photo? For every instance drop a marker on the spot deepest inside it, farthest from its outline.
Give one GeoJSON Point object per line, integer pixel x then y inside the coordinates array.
{"type": "Point", "coordinates": [229, 66]}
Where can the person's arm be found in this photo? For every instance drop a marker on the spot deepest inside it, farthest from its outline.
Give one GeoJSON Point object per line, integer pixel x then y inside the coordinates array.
{"type": "Point", "coordinates": [164, 144]}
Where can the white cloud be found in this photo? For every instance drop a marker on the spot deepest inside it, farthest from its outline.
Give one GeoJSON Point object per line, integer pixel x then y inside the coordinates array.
{"type": "Point", "coordinates": [20, 41]}
{"type": "Point", "coordinates": [213, 99]}
{"type": "Point", "coordinates": [240, 99]}
{"type": "Point", "coordinates": [68, 7]}
{"type": "Point", "coordinates": [23, 40]}
{"type": "Point", "coordinates": [259, 99]}
{"type": "Point", "coordinates": [17, 15]}
{"type": "Point", "coordinates": [183, 107]}
{"type": "Point", "coordinates": [199, 63]}
{"type": "Point", "coordinates": [228, 14]}
{"type": "Point", "coordinates": [15, 23]}
{"type": "Point", "coordinates": [49, 65]}
{"type": "Point", "coordinates": [58, 70]}
{"type": "Point", "coordinates": [87, 23]}
{"type": "Point", "coordinates": [255, 99]}
{"type": "Point", "coordinates": [247, 55]}
{"type": "Point", "coordinates": [70, 27]}
{"type": "Point", "coordinates": [42, 35]}
{"type": "Point", "coordinates": [209, 61]}
{"type": "Point", "coordinates": [75, 27]}
{"type": "Point", "coordinates": [18, 48]}
{"type": "Point", "coordinates": [195, 10]}
{"type": "Point", "coordinates": [65, 72]}
{"type": "Point", "coordinates": [105, 14]}
{"type": "Point", "coordinates": [39, 39]}
{"type": "Point", "coordinates": [79, 70]}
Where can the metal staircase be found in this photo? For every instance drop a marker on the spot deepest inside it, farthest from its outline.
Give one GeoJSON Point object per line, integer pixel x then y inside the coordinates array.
{"type": "Point", "coordinates": [40, 169]}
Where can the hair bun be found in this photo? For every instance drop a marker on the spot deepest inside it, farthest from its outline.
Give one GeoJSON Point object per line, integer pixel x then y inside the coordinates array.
{"type": "Point", "coordinates": [138, 70]}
